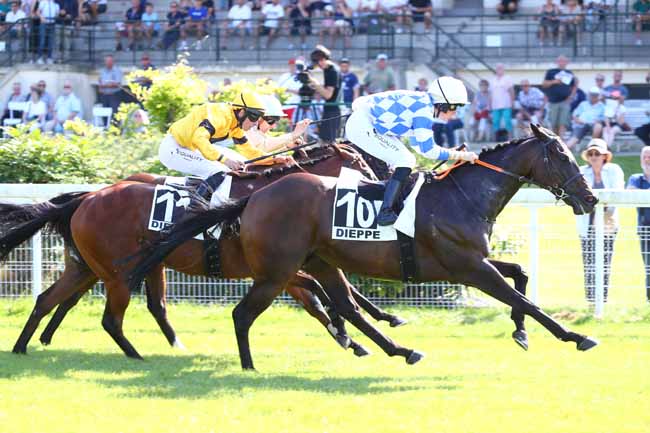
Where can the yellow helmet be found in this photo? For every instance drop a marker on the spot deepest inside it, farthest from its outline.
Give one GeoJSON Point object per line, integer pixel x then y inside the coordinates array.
{"type": "Point", "coordinates": [250, 102]}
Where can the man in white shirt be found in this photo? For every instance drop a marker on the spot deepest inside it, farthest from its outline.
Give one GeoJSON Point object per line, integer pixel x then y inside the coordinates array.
{"type": "Point", "coordinates": [13, 16]}
{"type": "Point", "coordinates": [48, 11]}
{"type": "Point", "coordinates": [272, 13]}
{"type": "Point", "coordinates": [239, 15]}
{"type": "Point", "coordinates": [288, 81]}
{"type": "Point", "coordinates": [67, 107]}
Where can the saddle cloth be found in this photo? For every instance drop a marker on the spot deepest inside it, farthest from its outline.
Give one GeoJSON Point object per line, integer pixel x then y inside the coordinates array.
{"type": "Point", "coordinates": [354, 214]}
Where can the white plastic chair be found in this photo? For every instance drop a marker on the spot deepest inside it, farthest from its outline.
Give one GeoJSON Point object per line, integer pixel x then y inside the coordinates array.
{"type": "Point", "coordinates": [14, 106]}
{"type": "Point", "coordinates": [102, 116]}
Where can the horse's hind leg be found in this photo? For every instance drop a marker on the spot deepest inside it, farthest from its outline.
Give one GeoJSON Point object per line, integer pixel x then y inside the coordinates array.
{"type": "Point", "coordinates": [309, 293]}
{"type": "Point", "coordinates": [157, 304]}
{"type": "Point", "coordinates": [334, 283]}
{"type": "Point", "coordinates": [514, 271]}
{"type": "Point", "coordinates": [117, 300]}
{"type": "Point", "coordinates": [258, 299]}
{"type": "Point", "coordinates": [485, 277]}
{"type": "Point", "coordinates": [60, 313]}
{"type": "Point", "coordinates": [72, 281]}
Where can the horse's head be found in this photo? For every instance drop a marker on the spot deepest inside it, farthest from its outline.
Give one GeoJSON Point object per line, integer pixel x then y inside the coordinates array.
{"type": "Point", "coordinates": [558, 170]}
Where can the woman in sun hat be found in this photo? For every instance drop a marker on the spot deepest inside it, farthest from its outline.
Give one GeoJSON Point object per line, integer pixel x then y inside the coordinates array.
{"type": "Point", "coordinates": [600, 173]}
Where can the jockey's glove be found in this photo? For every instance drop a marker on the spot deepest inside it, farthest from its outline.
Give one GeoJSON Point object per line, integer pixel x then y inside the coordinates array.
{"type": "Point", "coordinates": [465, 156]}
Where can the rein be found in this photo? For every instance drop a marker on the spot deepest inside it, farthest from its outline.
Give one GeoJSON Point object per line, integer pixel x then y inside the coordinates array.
{"type": "Point", "coordinates": [558, 191]}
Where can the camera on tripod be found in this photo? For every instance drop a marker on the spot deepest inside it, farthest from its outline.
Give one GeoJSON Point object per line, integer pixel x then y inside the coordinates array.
{"type": "Point", "coordinates": [302, 75]}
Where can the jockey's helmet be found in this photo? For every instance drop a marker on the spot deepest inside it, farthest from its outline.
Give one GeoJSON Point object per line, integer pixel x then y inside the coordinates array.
{"type": "Point", "coordinates": [251, 103]}
{"type": "Point", "coordinates": [272, 109]}
{"type": "Point", "coordinates": [448, 93]}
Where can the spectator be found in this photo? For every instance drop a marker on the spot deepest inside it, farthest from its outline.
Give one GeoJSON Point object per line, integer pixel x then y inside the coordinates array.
{"type": "Point", "coordinates": [507, 8]}
{"type": "Point", "coordinates": [422, 86]}
{"type": "Point", "coordinates": [184, 7]}
{"type": "Point", "coordinates": [110, 82]}
{"type": "Point", "coordinates": [329, 91]}
{"type": "Point", "coordinates": [397, 9]}
{"type": "Point", "coordinates": [132, 29]}
{"type": "Point", "coordinates": [578, 96]}
{"type": "Point", "coordinates": [422, 11]}
{"type": "Point", "coordinates": [571, 20]}
{"type": "Point", "coordinates": [145, 63]}
{"type": "Point", "coordinates": [4, 9]}
{"type": "Point", "coordinates": [47, 99]}
{"type": "Point", "coordinates": [150, 26]}
{"type": "Point", "coordinates": [549, 22]}
{"type": "Point", "coordinates": [48, 10]}
{"type": "Point", "coordinates": [614, 117]}
{"type": "Point", "coordinates": [36, 109]}
{"type": "Point", "coordinates": [350, 81]}
{"type": "Point", "coordinates": [642, 181]}
{"type": "Point", "coordinates": [381, 78]}
{"type": "Point", "coordinates": [68, 12]}
{"type": "Point", "coordinates": [272, 12]}
{"type": "Point", "coordinates": [641, 19]}
{"type": "Point", "coordinates": [239, 15]}
{"type": "Point", "coordinates": [600, 83]}
{"type": "Point", "coordinates": [444, 132]}
{"type": "Point", "coordinates": [140, 121]}
{"type": "Point", "coordinates": [531, 105]}
{"type": "Point", "coordinates": [209, 4]}
{"type": "Point", "coordinates": [559, 86]}
{"type": "Point", "coordinates": [588, 118]}
{"type": "Point", "coordinates": [595, 15]}
{"type": "Point", "coordinates": [481, 112]}
{"type": "Point", "coordinates": [600, 173]}
{"type": "Point", "coordinates": [643, 131]}
{"type": "Point", "coordinates": [292, 85]}
{"type": "Point", "coordinates": [13, 16]}
{"type": "Point", "coordinates": [327, 25]}
{"type": "Point", "coordinates": [98, 7]}
{"type": "Point", "coordinates": [300, 22]}
{"type": "Point", "coordinates": [173, 28]}
{"type": "Point", "coordinates": [503, 96]}
{"type": "Point", "coordinates": [198, 21]}
{"type": "Point", "coordinates": [16, 96]}
{"type": "Point", "coordinates": [617, 85]}
{"type": "Point", "coordinates": [343, 23]}
{"type": "Point", "coordinates": [85, 15]}
{"type": "Point", "coordinates": [67, 107]}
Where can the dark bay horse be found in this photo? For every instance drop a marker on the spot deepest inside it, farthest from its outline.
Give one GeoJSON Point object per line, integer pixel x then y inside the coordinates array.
{"type": "Point", "coordinates": [105, 225]}
{"type": "Point", "coordinates": [283, 232]}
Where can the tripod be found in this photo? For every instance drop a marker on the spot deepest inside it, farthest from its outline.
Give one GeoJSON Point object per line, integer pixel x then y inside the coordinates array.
{"type": "Point", "coordinates": [306, 109]}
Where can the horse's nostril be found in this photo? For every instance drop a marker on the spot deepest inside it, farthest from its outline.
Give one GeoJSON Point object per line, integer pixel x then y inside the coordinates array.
{"type": "Point", "coordinates": [591, 199]}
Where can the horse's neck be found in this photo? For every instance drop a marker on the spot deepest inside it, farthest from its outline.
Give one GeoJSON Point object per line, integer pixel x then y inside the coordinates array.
{"type": "Point", "coordinates": [489, 190]}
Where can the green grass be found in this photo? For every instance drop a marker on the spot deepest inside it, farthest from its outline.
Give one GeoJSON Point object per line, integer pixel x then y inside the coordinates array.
{"type": "Point", "coordinates": [474, 378]}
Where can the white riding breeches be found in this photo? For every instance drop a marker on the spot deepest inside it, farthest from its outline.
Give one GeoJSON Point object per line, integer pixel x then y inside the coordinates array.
{"type": "Point", "coordinates": [192, 162]}
{"type": "Point", "coordinates": [388, 148]}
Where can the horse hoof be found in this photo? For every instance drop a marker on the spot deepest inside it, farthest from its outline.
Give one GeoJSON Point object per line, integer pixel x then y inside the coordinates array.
{"type": "Point", "coordinates": [178, 345]}
{"type": "Point", "coordinates": [521, 338]}
{"type": "Point", "coordinates": [414, 357]}
{"type": "Point", "coordinates": [396, 322]}
{"type": "Point", "coordinates": [19, 350]}
{"type": "Point", "coordinates": [45, 341]}
{"type": "Point", "coordinates": [587, 344]}
{"type": "Point", "coordinates": [361, 351]}
{"type": "Point", "coordinates": [344, 341]}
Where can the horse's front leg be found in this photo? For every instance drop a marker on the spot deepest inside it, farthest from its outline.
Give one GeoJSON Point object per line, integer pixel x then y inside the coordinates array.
{"type": "Point", "coordinates": [514, 271]}
{"type": "Point", "coordinates": [484, 276]}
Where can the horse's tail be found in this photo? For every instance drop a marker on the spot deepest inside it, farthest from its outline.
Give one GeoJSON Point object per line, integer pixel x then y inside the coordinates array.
{"type": "Point", "coordinates": [194, 223]}
{"type": "Point", "coordinates": [20, 222]}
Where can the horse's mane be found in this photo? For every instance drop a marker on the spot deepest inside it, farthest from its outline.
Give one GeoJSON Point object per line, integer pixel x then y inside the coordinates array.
{"type": "Point", "coordinates": [486, 151]}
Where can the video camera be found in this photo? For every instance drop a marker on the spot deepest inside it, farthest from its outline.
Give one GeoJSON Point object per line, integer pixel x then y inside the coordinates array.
{"type": "Point", "coordinates": [302, 75]}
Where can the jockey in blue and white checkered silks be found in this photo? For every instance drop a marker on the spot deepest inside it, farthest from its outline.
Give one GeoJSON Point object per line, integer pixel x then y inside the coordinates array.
{"type": "Point", "coordinates": [379, 122]}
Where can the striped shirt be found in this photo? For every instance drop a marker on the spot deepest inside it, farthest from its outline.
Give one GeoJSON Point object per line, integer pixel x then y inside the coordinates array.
{"type": "Point", "coordinates": [405, 113]}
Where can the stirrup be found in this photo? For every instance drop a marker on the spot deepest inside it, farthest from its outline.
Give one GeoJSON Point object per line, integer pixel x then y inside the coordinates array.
{"type": "Point", "coordinates": [386, 217]}
{"type": "Point", "coordinates": [204, 190]}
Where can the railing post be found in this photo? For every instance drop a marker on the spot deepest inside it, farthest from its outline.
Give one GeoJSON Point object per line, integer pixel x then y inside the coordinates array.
{"type": "Point", "coordinates": [599, 222]}
{"type": "Point", "coordinates": [37, 265]}
{"type": "Point", "coordinates": [534, 253]}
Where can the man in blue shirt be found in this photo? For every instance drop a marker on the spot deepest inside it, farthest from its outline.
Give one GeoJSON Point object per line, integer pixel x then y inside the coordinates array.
{"type": "Point", "coordinates": [67, 107]}
{"type": "Point", "coordinates": [351, 86]}
{"type": "Point", "coordinates": [642, 181]}
{"type": "Point", "coordinates": [587, 118]}
{"type": "Point", "coordinates": [198, 15]}
{"type": "Point", "coordinates": [617, 85]}
{"type": "Point", "coordinates": [380, 121]}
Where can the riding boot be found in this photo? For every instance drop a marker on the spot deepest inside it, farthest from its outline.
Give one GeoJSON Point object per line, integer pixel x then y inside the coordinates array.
{"type": "Point", "coordinates": [208, 186]}
{"type": "Point", "coordinates": [387, 215]}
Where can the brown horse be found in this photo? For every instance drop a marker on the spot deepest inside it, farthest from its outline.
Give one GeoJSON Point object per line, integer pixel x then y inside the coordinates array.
{"type": "Point", "coordinates": [106, 224]}
{"type": "Point", "coordinates": [283, 232]}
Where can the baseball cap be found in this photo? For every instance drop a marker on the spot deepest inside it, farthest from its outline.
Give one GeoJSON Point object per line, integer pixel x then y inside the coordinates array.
{"type": "Point", "coordinates": [292, 61]}
{"type": "Point", "coordinates": [382, 56]}
{"type": "Point", "coordinates": [594, 91]}
{"type": "Point", "coordinates": [345, 60]}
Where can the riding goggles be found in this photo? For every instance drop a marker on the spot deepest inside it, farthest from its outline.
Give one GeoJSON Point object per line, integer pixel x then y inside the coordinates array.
{"type": "Point", "coordinates": [444, 107]}
{"type": "Point", "coordinates": [253, 115]}
{"type": "Point", "coordinates": [271, 120]}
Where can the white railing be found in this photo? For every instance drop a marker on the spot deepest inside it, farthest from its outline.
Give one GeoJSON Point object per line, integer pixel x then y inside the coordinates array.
{"type": "Point", "coordinates": [530, 239]}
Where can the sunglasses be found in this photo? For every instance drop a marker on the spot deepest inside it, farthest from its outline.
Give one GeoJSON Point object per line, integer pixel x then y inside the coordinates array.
{"type": "Point", "coordinates": [253, 116]}
{"type": "Point", "coordinates": [271, 120]}
{"type": "Point", "coordinates": [594, 153]}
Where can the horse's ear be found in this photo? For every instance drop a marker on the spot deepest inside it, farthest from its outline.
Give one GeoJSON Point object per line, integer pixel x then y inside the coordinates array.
{"type": "Point", "coordinates": [535, 128]}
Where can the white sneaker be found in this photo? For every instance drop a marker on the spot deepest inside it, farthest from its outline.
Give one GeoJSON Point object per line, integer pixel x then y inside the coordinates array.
{"type": "Point", "coordinates": [638, 42]}
{"type": "Point", "coordinates": [50, 61]}
{"type": "Point", "coordinates": [39, 61]}
{"type": "Point", "coordinates": [183, 46]}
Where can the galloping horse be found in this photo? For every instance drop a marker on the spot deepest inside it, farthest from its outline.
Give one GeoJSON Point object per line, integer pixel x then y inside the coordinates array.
{"type": "Point", "coordinates": [283, 232]}
{"type": "Point", "coordinates": [102, 226]}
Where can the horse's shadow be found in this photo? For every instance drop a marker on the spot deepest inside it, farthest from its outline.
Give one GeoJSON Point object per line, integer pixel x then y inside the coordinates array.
{"type": "Point", "coordinates": [196, 376]}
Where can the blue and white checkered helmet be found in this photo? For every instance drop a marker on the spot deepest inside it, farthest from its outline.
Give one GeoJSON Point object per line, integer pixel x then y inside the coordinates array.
{"type": "Point", "coordinates": [448, 90]}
